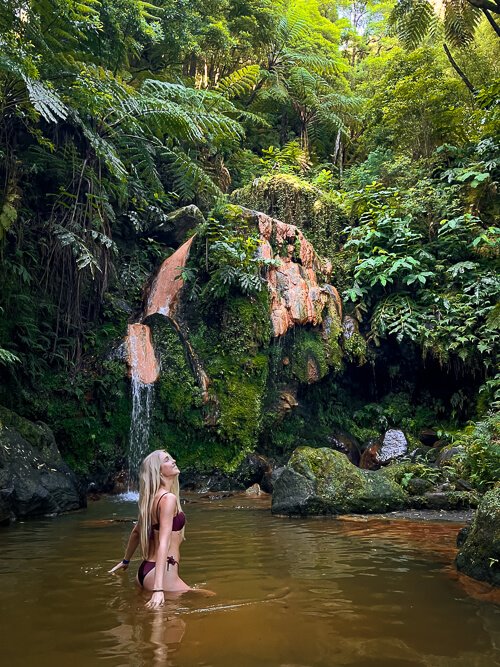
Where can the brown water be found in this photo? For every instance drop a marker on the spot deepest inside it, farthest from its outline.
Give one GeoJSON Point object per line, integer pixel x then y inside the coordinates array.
{"type": "Point", "coordinates": [289, 593]}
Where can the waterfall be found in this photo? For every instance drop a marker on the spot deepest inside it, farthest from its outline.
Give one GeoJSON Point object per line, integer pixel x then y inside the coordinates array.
{"type": "Point", "coordinates": [143, 373]}
{"type": "Point", "coordinates": [142, 401]}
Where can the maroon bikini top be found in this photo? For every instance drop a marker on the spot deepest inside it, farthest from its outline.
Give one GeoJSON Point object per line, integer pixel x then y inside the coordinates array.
{"type": "Point", "coordinates": [178, 522]}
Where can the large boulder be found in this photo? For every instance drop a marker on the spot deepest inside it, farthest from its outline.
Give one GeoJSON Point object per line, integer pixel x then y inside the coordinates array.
{"type": "Point", "coordinates": [323, 481]}
{"type": "Point", "coordinates": [479, 555]}
{"type": "Point", "coordinates": [34, 480]}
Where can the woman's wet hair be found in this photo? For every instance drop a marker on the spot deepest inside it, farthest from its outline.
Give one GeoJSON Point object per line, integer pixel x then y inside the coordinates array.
{"type": "Point", "coordinates": [149, 484]}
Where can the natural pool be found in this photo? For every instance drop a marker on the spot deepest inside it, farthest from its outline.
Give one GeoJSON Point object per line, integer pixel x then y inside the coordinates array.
{"type": "Point", "coordinates": [289, 593]}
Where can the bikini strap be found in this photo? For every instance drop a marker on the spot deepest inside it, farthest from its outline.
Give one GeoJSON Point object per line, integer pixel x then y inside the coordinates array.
{"type": "Point", "coordinates": [158, 506]}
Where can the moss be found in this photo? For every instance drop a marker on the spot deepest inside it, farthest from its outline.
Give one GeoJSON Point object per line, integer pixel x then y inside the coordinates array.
{"type": "Point", "coordinates": [308, 355]}
{"type": "Point", "coordinates": [337, 486]}
{"type": "Point", "coordinates": [355, 348]}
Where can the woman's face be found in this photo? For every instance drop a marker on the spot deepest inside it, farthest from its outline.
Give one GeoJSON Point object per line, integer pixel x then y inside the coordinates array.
{"type": "Point", "coordinates": [168, 466]}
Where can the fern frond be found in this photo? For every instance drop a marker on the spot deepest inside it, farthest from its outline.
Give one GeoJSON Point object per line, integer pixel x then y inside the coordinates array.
{"type": "Point", "coordinates": [240, 82]}
{"type": "Point", "coordinates": [460, 21]}
{"type": "Point", "coordinates": [411, 21]}
{"type": "Point", "coordinates": [189, 178]}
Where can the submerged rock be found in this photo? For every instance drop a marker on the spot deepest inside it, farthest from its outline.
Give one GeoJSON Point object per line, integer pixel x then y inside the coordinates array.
{"type": "Point", "coordinates": [323, 481]}
{"type": "Point", "coordinates": [34, 480]}
{"type": "Point", "coordinates": [479, 555]}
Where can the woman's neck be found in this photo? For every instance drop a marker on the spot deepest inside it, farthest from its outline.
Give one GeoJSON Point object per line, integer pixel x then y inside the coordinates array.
{"type": "Point", "coordinates": [166, 485]}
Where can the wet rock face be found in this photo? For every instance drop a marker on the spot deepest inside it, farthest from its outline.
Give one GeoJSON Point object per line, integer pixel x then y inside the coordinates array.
{"type": "Point", "coordinates": [479, 555]}
{"type": "Point", "coordinates": [298, 295]}
{"type": "Point", "coordinates": [342, 442]}
{"type": "Point", "coordinates": [167, 284]}
{"type": "Point", "coordinates": [141, 355]}
{"type": "Point", "coordinates": [34, 480]}
{"type": "Point", "coordinates": [323, 481]}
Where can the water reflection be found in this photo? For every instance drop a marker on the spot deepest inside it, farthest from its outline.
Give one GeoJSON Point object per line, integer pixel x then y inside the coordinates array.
{"type": "Point", "coordinates": [307, 593]}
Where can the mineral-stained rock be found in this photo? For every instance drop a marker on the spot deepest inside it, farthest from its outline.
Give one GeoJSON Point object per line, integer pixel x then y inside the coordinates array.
{"type": "Point", "coordinates": [370, 457]}
{"type": "Point", "coordinates": [167, 284]}
{"type": "Point", "coordinates": [34, 480]}
{"type": "Point", "coordinates": [323, 481]}
{"type": "Point", "coordinates": [479, 555]}
{"type": "Point", "coordinates": [297, 295]}
{"type": "Point", "coordinates": [141, 355]}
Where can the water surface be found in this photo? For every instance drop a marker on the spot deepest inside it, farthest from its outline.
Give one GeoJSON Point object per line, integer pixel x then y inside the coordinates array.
{"type": "Point", "coordinates": [289, 593]}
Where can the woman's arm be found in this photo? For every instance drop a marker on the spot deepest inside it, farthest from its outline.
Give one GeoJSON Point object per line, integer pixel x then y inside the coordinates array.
{"type": "Point", "coordinates": [132, 544]}
{"type": "Point", "coordinates": [166, 510]}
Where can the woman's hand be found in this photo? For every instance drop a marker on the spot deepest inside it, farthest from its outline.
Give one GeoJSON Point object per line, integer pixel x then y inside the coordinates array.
{"type": "Point", "coordinates": [157, 600]}
{"type": "Point", "coordinates": [121, 566]}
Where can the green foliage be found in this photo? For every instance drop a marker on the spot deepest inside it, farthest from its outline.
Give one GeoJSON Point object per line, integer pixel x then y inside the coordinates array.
{"type": "Point", "coordinates": [232, 261]}
{"type": "Point", "coordinates": [113, 113]}
{"type": "Point", "coordinates": [421, 279]}
{"type": "Point", "coordinates": [479, 461]}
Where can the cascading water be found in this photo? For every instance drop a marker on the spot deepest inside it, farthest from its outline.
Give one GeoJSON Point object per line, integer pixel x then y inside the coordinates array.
{"type": "Point", "coordinates": [144, 372]}
{"type": "Point", "coordinates": [142, 401]}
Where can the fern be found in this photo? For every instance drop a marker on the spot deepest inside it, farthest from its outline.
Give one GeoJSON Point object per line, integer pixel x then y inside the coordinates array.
{"type": "Point", "coordinates": [240, 82]}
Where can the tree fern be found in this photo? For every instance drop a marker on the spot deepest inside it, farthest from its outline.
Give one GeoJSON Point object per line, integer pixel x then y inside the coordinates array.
{"type": "Point", "coordinates": [240, 82]}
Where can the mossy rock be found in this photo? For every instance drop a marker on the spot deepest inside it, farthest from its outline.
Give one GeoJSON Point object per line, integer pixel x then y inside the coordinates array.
{"type": "Point", "coordinates": [323, 481]}
{"type": "Point", "coordinates": [37, 435]}
{"type": "Point", "coordinates": [479, 556]}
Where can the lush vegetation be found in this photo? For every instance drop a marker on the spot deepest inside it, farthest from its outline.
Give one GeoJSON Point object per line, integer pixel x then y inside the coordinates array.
{"type": "Point", "coordinates": [373, 126]}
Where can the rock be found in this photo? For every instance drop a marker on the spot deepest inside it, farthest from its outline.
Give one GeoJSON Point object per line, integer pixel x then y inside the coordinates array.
{"type": "Point", "coordinates": [445, 500]}
{"type": "Point", "coordinates": [287, 401]}
{"type": "Point", "coordinates": [34, 480]}
{"type": "Point", "coordinates": [164, 291]}
{"type": "Point", "coordinates": [251, 471]}
{"type": "Point", "coordinates": [393, 445]}
{"type": "Point", "coordinates": [370, 459]}
{"type": "Point", "coordinates": [462, 535]}
{"type": "Point", "coordinates": [174, 229]}
{"type": "Point", "coordinates": [445, 455]}
{"type": "Point", "coordinates": [479, 555]}
{"type": "Point", "coordinates": [418, 486]}
{"type": "Point", "coordinates": [347, 444]}
{"type": "Point", "coordinates": [5, 513]}
{"type": "Point", "coordinates": [428, 437]}
{"type": "Point", "coordinates": [269, 479]}
{"type": "Point", "coordinates": [297, 297]}
{"type": "Point", "coordinates": [323, 481]}
{"type": "Point", "coordinates": [253, 490]}
{"type": "Point", "coordinates": [350, 327]}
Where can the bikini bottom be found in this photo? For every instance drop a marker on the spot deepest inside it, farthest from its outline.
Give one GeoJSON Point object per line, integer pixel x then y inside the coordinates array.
{"type": "Point", "coordinates": [147, 565]}
{"type": "Point", "coordinates": [144, 568]}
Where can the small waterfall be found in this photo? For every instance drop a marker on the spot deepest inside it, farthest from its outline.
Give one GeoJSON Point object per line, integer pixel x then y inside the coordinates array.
{"type": "Point", "coordinates": [142, 401]}
{"type": "Point", "coordinates": [144, 372]}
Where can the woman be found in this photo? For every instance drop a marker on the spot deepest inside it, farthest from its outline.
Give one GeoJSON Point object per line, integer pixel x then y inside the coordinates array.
{"type": "Point", "coordinates": [159, 530]}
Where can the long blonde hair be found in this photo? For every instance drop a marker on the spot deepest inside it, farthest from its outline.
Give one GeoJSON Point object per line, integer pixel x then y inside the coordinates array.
{"type": "Point", "coordinates": [149, 484]}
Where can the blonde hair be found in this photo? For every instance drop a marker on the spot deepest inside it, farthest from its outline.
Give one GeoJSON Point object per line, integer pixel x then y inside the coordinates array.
{"type": "Point", "coordinates": [149, 485]}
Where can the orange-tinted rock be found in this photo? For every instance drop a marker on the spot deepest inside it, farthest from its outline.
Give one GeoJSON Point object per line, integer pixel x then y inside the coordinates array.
{"type": "Point", "coordinates": [370, 459]}
{"type": "Point", "coordinates": [141, 355]}
{"type": "Point", "coordinates": [167, 284]}
{"type": "Point", "coordinates": [297, 297]}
